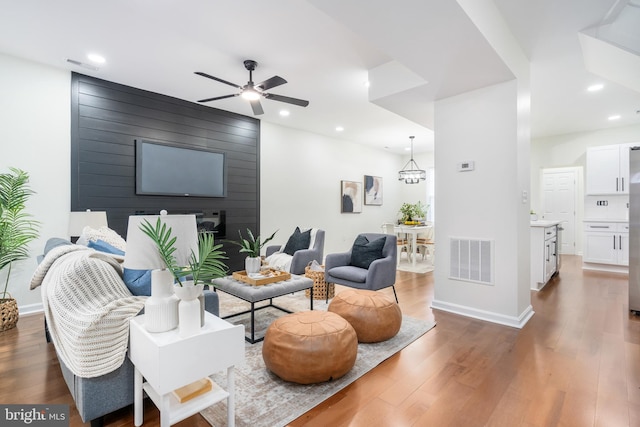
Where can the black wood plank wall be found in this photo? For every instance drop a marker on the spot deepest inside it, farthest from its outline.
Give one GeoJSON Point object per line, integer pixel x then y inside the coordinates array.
{"type": "Point", "coordinates": [107, 118]}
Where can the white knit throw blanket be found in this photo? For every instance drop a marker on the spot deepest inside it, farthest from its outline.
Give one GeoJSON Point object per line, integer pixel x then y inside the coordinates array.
{"type": "Point", "coordinates": [87, 307]}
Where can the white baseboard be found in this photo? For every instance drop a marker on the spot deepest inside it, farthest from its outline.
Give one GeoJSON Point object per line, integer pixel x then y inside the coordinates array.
{"type": "Point", "coordinates": [514, 322]}
{"type": "Point", "coordinates": [605, 267]}
{"type": "Point", "coordinates": [25, 310]}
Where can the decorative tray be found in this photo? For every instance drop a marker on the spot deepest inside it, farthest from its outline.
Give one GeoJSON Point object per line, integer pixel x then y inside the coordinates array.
{"type": "Point", "coordinates": [266, 276]}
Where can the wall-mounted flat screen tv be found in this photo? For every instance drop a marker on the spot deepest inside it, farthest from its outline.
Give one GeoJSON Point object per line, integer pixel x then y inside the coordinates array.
{"type": "Point", "coordinates": [169, 170]}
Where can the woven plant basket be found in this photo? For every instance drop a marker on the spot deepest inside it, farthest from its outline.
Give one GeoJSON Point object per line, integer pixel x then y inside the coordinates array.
{"type": "Point", "coordinates": [320, 287]}
{"type": "Point", "coordinates": [8, 313]}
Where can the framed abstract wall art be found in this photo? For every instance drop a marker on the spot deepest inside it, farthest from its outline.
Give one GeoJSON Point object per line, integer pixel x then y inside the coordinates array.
{"type": "Point", "coordinates": [372, 190]}
{"type": "Point", "coordinates": [351, 193]}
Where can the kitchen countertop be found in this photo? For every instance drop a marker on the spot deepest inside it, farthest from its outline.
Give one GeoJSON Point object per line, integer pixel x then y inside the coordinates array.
{"type": "Point", "coordinates": [544, 223]}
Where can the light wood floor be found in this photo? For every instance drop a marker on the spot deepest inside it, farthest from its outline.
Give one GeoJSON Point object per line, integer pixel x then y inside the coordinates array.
{"type": "Point", "coordinates": [575, 363]}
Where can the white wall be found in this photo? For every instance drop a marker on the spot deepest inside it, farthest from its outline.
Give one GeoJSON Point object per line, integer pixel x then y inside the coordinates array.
{"type": "Point", "coordinates": [35, 134]}
{"type": "Point", "coordinates": [300, 185]}
{"type": "Point", "coordinates": [482, 204]}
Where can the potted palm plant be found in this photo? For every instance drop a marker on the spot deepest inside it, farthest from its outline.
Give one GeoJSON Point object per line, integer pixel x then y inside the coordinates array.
{"type": "Point", "coordinates": [17, 229]}
{"type": "Point", "coordinates": [252, 247]}
{"type": "Point", "coordinates": [203, 267]}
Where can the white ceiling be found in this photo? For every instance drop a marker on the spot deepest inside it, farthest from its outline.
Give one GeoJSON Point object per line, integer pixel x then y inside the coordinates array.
{"type": "Point", "coordinates": [413, 51]}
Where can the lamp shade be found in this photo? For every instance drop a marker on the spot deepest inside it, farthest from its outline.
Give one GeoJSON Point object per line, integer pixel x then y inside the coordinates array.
{"type": "Point", "coordinates": [79, 220]}
{"type": "Point", "coordinates": [142, 252]}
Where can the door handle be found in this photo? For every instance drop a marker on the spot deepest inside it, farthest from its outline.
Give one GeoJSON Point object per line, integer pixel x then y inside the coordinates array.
{"type": "Point", "coordinates": [622, 179]}
{"type": "Point", "coordinates": [614, 243]}
{"type": "Point", "coordinates": [617, 184]}
{"type": "Point", "coordinates": [620, 242]}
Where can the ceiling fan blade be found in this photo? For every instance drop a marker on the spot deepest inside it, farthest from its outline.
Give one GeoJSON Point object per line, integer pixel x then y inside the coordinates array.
{"type": "Point", "coordinates": [272, 82]}
{"type": "Point", "coordinates": [200, 73]}
{"type": "Point", "coordinates": [294, 101]}
{"type": "Point", "coordinates": [257, 107]}
{"type": "Point", "coordinates": [218, 97]}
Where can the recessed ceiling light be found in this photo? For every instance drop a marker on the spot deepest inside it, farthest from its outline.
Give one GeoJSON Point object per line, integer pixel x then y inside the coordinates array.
{"type": "Point", "coordinates": [284, 113]}
{"type": "Point", "coordinates": [595, 88]}
{"type": "Point", "coordinates": [339, 128]}
{"type": "Point", "coordinates": [367, 83]}
{"type": "Point", "coordinates": [407, 148]}
{"type": "Point", "coordinates": [614, 117]}
{"type": "Point", "coordinates": [94, 57]}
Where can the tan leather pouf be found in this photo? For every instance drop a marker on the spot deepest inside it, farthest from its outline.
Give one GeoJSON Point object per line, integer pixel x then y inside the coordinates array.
{"type": "Point", "coordinates": [310, 347]}
{"type": "Point", "coordinates": [374, 316]}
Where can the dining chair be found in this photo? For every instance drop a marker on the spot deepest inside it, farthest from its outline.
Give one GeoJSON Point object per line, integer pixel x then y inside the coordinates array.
{"type": "Point", "coordinates": [426, 245]}
{"type": "Point", "coordinates": [403, 243]}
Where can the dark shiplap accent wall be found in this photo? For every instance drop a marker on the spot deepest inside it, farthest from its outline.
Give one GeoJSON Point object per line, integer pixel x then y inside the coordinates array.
{"type": "Point", "coordinates": [107, 118]}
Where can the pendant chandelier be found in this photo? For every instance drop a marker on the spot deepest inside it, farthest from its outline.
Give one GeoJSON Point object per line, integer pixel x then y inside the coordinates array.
{"type": "Point", "coordinates": [411, 172]}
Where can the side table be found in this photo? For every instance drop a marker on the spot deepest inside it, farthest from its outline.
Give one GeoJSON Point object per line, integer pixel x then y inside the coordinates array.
{"type": "Point", "coordinates": [165, 362]}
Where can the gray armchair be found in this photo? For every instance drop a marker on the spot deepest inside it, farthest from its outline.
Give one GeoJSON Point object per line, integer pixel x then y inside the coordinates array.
{"type": "Point", "coordinates": [302, 258]}
{"type": "Point", "coordinates": [380, 274]}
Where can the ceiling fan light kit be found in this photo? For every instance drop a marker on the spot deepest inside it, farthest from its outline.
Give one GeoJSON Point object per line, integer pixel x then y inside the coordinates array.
{"type": "Point", "coordinates": [411, 172]}
{"type": "Point", "coordinates": [253, 92]}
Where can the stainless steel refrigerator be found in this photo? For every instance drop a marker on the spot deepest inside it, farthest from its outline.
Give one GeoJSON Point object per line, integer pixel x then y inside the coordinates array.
{"type": "Point", "coordinates": [634, 229]}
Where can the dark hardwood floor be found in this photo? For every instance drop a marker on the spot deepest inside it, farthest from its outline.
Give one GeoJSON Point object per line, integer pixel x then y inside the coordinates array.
{"type": "Point", "coordinates": [575, 363]}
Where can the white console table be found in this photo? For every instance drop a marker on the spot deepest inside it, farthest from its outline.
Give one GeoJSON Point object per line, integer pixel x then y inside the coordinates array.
{"type": "Point", "coordinates": [165, 362]}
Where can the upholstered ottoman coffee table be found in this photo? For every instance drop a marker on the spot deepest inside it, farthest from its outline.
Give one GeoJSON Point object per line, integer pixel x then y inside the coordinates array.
{"type": "Point", "coordinates": [256, 294]}
{"type": "Point", "coordinates": [374, 316]}
{"type": "Point", "coordinates": [310, 347]}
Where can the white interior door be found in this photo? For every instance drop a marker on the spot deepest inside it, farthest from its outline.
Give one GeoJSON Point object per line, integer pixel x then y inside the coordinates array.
{"type": "Point", "coordinates": [559, 204]}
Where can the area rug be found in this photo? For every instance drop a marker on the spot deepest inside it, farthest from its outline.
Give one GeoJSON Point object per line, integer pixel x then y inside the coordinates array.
{"type": "Point", "coordinates": [263, 399]}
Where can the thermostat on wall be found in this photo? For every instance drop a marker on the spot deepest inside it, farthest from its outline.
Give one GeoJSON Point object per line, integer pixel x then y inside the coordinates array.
{"type": "Point", "coordinates": [465, 166]}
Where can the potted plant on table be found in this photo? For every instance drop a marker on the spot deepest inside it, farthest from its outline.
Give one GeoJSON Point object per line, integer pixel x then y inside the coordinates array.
{"type": "Point", "coordinates": [202, 268]}
{"type": "Point", "coordinates": [17, 229]}
{"type": "Point", "coordinates": [252, 247]}
{"type": "Point", "coordinates": [411, 212]}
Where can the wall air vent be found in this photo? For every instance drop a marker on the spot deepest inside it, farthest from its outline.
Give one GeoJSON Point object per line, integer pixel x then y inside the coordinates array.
{"type": "Point", "coordinates": [83, 64]}
{"type": "Point", "coordinates": [471, 260]}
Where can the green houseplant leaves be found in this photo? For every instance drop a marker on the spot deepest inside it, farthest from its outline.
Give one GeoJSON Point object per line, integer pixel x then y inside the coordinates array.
{"type": "Point", "coordinates": [17, 228]}
{"type": "Point", "coordinates": [204, 266]}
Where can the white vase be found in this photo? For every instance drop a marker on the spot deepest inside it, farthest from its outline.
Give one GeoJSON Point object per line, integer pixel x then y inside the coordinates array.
{"type": "Point", "coordinates": [189, 308]}
{"type": "Point", "coordinates": [161, 308]}
{"type": "Point", "coordinates": [252, 265]}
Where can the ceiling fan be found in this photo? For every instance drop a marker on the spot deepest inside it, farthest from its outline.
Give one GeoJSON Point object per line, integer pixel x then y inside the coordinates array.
{"type": "Point", "coordinates": [253, 92]}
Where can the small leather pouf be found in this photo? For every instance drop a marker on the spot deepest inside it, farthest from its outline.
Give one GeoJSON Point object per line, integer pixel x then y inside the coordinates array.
{"type": "Point", "coordinates": [373, 315]}
{"type": "Point", "coordinates": [310, 347]}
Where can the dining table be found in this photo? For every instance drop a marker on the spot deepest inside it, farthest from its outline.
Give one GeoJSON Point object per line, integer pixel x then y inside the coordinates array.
{"type": "Point", "coordinates": [413, 231]}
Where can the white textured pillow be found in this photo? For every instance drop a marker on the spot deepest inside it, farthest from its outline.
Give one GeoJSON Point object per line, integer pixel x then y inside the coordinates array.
{"type": "Point", "coordinates": [103, 233]}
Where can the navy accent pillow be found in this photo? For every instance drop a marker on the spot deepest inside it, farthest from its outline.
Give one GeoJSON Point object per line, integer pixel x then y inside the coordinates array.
{"type": "Point", "coordinates": [365, 252]}
{"type": "Point", "coordinates": [298, 240]}
{"type": "Point", "coordinates": [138, 281]}
{"type": "Point", "coordinates": [102, 246]}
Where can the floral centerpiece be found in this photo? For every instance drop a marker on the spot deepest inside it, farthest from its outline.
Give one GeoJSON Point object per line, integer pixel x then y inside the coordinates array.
{"type": "Point", "coordinates": [411, 212]}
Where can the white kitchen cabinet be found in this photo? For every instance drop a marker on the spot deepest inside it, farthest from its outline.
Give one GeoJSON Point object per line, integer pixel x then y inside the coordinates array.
{"type": "Point", "coordinates": [544, 252]}
{"type": "Point", "coordinates": [606, 243]}
{"type": "Point", "coordinates": [608, 169]}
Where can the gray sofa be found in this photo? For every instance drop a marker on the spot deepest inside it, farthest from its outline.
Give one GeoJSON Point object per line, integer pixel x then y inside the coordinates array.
{"type": "Point", "coordinates": [96, 397]}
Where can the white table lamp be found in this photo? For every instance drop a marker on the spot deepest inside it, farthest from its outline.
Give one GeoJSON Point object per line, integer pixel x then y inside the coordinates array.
{"type": "Point", "coordinates": [161, 309]}
{"type": "Point", "coordinates": [79, 220]}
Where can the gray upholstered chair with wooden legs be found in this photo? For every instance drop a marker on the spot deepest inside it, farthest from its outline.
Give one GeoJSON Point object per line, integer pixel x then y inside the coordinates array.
{"type": "Point", "coordinates": [369, 264]}
{"type": "Point", "coordinates": [302, 257]}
